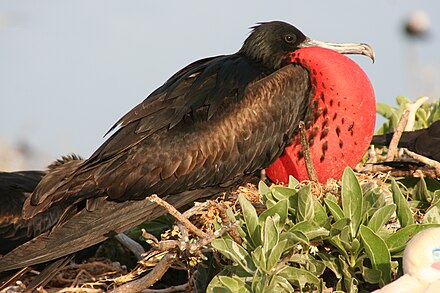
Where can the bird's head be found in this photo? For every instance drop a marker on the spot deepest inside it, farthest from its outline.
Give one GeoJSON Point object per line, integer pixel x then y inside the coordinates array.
{"type": "Point", "coordinates": [271, 43]}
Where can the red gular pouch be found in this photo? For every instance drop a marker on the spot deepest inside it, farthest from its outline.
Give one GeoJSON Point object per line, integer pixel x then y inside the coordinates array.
{"type": "Point", "coordinates": [341, 119]}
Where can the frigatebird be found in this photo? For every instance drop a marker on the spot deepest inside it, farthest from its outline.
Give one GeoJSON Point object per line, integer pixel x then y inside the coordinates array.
{"type": "Point", "coordinates": [15, 188]}
{"type": "Point", "coordinates": [424, 141]}
{"type": "Point", "coordinates": [207, 129]}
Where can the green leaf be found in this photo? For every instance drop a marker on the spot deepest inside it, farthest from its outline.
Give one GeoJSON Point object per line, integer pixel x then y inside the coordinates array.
{"type": "Point", "coordinates": [334, 209]}
{"type": "Point", "coordinates": [346, 238]}
{"type": "Point", "coordinates": [266, 194]}
{"type": "Point", "coordinates": [377, 252]}
{"type": "Point", "coordinates": [331, 263]}
{"type": "Point", "coordinates": [349, 282]}
{"type": "Point", "coordinates": [225, 284]}
{"type": "Point", "coordinates": [280, 209]}
{"type": "Point", "coordinates": [402, 101]}
{"type": "Point", "coordinates": [355, 245]}
{"type": "Point", "coordinates": [281, 192]}
{"type": "Point", "coordinates": [305, 204]}
{"type": "Point", "coordinates": [385, 110]}
{"type": "Point", "coordinates": [251, 220]}
{"type": "Point", "coordinates": [294, 237]}
{"type": "Point", "coordinates": [397, 241]}
{"type": "Point", "coordinates": [279, 284]}
{"type": "Point", "coordinates": [270, 235]}
{"type": "Point", "coordinates": [263, 188]}
{"type": "Point", "coordinates": [258, 283]}
{"type": "Point", "coordinates": [299, 276]}
{"type": "Point", "coordinates": [337, 226]}
{"type": "Point", "coordinates": [421, 191]}
{"type": "Point", "coordinates": [372, 276]}
{"type": "Point", "coordinates": [293, 182]}
{"type": "Point", "coordinates": [432, 215]}
{"type": "Point", "coordinates": [337, 243]}
{"type": "Point", "coordinates": [284, 192]}
{"type": "Point", "coordinates": [403, 211]}
{"type": "Point", "coordinates": [319, 212]}
{"type": "Point", "coordinates": [381, 217]}
{"type": "Point", "coordinates": [236, 253]}
{"type": "Point", "coordinates": [275, 255]}
{"type": "Point", "coordinates": [373, 199]}
{"type": "Point", "coordinates": [310, 229]}
{"type": "Point", "coordinates": [351, 200]}
{"type": "Point", "coordinates": [259, 258]}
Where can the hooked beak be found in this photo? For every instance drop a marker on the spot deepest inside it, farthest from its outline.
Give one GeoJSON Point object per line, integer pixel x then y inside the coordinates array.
{"type": "Point", "coordinates": [343, 48]}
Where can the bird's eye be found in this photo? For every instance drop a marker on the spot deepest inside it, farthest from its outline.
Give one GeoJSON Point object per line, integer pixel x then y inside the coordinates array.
{"type": "Point", "coordinates": [290, 39]}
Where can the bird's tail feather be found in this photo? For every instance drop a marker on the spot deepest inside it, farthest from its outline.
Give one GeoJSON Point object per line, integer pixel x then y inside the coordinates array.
{"type": "Point", "coordinates": [88, 228]}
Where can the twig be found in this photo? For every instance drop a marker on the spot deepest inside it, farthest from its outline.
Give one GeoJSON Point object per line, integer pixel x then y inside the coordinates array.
{"type": "Point", "coordinates": [427, 161]}
{"type": "Point", "coordinates": [392, 149]}
{"type": "Point", "coordinates": [14, 277]}
{"type": "Point", "coordinates": [171, 256]}
{"type": "Point", "coordinates": [226, 221]}
{"type": "Point", "coordinates": [184, 240]}
{"type": "Point", "coordinates": [78, 289]}
{"type": "Point", "coordinates": [79, 274]}
{"type": "Point", "coordinates": [175, 213]}
{"type": "Point", "coordinates": [306, 153]}
{"type": "Point", "coordinates": [149, 238]}
{"type": "Point", "coordinates": [420, 172]}
{"type": "Point", "coordinates": [131, 245]}
{"type": "Point", "coordinates": [152, 277]}
{"type": "Point", "coordinates": [178, 288]}
{"type": "Point", "coordinates": [197, 208]}
{"type": "Point", "coordinates": [205, 241]}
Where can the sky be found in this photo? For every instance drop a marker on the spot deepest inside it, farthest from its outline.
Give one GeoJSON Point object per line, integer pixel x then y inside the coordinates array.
{"type": "Point", "coordinates": [70, 69]}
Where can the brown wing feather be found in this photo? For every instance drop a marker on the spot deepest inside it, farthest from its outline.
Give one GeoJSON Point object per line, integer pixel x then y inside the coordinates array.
{"type": "Point", "coordinates": [244, 135]}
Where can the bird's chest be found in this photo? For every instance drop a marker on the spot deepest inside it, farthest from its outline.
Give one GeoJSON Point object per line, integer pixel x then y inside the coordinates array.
{"type": "Point", "coordinates": [340, 121]}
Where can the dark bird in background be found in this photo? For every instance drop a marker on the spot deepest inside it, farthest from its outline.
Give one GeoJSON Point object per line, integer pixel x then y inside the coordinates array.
{"type": "Point", "coordinates": [207, 129]}
{"type": "Point", "coordinates": [425, 142]}
{"type": "Point", "coordinates": [15, 188]}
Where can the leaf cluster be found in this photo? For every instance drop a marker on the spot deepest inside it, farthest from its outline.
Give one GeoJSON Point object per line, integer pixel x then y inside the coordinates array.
{"type": "Point", "coordinates": [352, 242]}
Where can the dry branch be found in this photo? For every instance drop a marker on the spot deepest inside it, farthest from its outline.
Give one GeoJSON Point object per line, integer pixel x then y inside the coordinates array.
{"type": "Point", "coordinates": [306, 153]}
{"type": "Point", "coordinates": [392, 149]}
{"type": "Point", "coordinates": [175, 213]}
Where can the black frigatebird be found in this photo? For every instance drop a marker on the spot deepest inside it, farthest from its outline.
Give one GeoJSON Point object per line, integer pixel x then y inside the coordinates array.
{"type": "Point", "coordinates": [208, 128]}
{"type": "Point", "coordinates": [15, 188]}
{"type": "Point", "coordinates": [424, 141]}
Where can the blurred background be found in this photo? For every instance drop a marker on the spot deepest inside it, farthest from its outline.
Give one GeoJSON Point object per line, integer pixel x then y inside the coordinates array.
{"type": "Point", "coordinates": [70, 69]}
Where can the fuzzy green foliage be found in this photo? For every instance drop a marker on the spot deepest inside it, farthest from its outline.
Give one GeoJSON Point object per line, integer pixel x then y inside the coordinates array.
{"type": "Point", "coordinates": [345, 242]}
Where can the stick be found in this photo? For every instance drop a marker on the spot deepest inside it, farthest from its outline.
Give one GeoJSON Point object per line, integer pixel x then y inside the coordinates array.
{"type": "Point", "coordinates": [392, 149]}
{"type": "Point", "coordinates": [427, 161]}
{"type": "Point", "coordinates": [306, 152]}
{"type": "Point", "coordinates": [149, 279]}
{"type": "Point", "coordinates": [175, 213]}
{"type": "Point", "coordinates": [131, 245]}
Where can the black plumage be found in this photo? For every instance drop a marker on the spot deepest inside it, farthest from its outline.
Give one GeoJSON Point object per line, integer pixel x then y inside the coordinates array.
{"type": "Point", "coordinates": [425, 141]}
{"type": "Point", "coordinates": [208, 128]}
{"type": "Point", "coordinates": [15, 188]}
